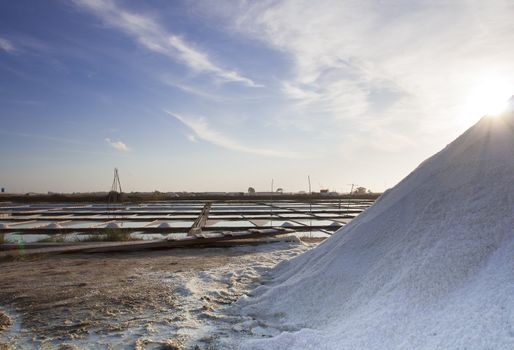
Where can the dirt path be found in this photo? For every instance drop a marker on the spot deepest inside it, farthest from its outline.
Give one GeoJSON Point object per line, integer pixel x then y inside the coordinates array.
{"type": "Point", "coordinates": [129, 300]}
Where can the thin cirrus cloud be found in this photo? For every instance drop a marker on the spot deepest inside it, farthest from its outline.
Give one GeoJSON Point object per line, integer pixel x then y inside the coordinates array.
{"type": "Point", "coordinates": [408, 66]}
{"type": "Point", "coordinates": [202, 131]}
{"type": "Point", "coordinates": [190, 89]}
{"type": "Point", "coordinates": [42, 137]}
{"type": "Point", "coordinates": [117, 145]}
{"type": "Point", "coordinates": [6, 45]}
{"type": "Point", "coordinates": [151, 35]}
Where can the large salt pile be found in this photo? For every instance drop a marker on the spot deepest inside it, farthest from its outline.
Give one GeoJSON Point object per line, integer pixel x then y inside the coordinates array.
{"type": "Point", "coordinates": [429, 266]}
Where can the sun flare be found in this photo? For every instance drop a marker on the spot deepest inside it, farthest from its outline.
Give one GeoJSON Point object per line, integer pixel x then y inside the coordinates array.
{"type": "Point", "coordinates": [490, 96]}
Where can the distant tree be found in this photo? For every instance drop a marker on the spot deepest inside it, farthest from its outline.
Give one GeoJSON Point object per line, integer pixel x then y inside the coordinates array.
{"type": "Point", "coordinates": [360, 190]}
{"type": "Point", "coordinates": [280, 190]}
{"type": "Point", "coordinates": [251, 190]}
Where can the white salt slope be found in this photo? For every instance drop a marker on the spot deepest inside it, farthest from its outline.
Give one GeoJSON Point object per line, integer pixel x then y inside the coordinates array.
{"type": "Point", "coordinates": [429, 266]}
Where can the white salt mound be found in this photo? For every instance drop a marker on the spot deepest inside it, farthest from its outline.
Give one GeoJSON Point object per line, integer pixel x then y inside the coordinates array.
{"type": "Point", "coordinates": [429, 266]}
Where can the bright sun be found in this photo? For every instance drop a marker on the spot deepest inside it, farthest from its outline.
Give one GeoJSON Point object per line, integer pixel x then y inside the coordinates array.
{"type": "Point", "coordinates": [489, 97]}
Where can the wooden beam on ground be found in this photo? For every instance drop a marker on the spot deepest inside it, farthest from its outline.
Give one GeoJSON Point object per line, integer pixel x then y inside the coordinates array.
{"type": "Point", "coordinates": [200, 222]}
{"type": "Point", "coordinates": [188, 242]}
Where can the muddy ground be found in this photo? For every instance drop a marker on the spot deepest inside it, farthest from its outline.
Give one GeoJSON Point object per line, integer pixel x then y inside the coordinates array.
{"type": "Point", "coordinates": [140, 300]}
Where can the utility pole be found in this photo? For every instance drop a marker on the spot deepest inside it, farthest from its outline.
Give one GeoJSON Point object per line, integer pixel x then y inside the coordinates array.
{"type": "Point", "coordinates": [271, 204]}
{"type": "Point", "coordinates": [348, 204]}
{"type": "Point", "coordinates": [116, 184]}
{"type": "Point", "coordinates": [115, 193]}
{"type": "Point", "coordinates": [310, 206]}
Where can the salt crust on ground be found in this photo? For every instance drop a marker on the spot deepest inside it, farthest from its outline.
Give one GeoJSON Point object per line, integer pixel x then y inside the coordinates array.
{"type": "Point", "coordinates": [157, 299]}
{"type": "Point", "coordinates": [429, 266]}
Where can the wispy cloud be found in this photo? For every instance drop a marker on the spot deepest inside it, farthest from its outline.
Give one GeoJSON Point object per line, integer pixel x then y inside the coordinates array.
{"type": "Point", "coordinates": [190, 89]}
{"type": "Point", "coordinates": [406, 66]}
{"type": "Point", "coordinates": [203, 131]}
{"type": "Point", "coordinates": [118, 145]}
{"type": "Point", "coordinates": [42, 137]}
{"type": "Point", "coordinates": [192, 138]}
{"type": "Point", "coordinates": [6, 45]}
{"type": "Point", "coordinates": [151, 35]}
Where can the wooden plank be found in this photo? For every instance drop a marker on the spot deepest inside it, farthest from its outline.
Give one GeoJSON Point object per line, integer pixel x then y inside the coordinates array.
{"type": "Point", "coordinates": [200, 222]}
{"type": "Point", "coordinates": [142, 245]}
{"type": "Point", "coordinates": [35, 245]}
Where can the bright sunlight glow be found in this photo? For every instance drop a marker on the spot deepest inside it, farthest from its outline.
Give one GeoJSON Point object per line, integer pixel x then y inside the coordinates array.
{"type": "Point", "coordinates": [489, 96]}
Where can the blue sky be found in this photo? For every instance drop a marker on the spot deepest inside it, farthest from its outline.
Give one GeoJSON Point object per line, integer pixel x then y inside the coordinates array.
{"type": "Point", "coordinates": [223, 95]}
